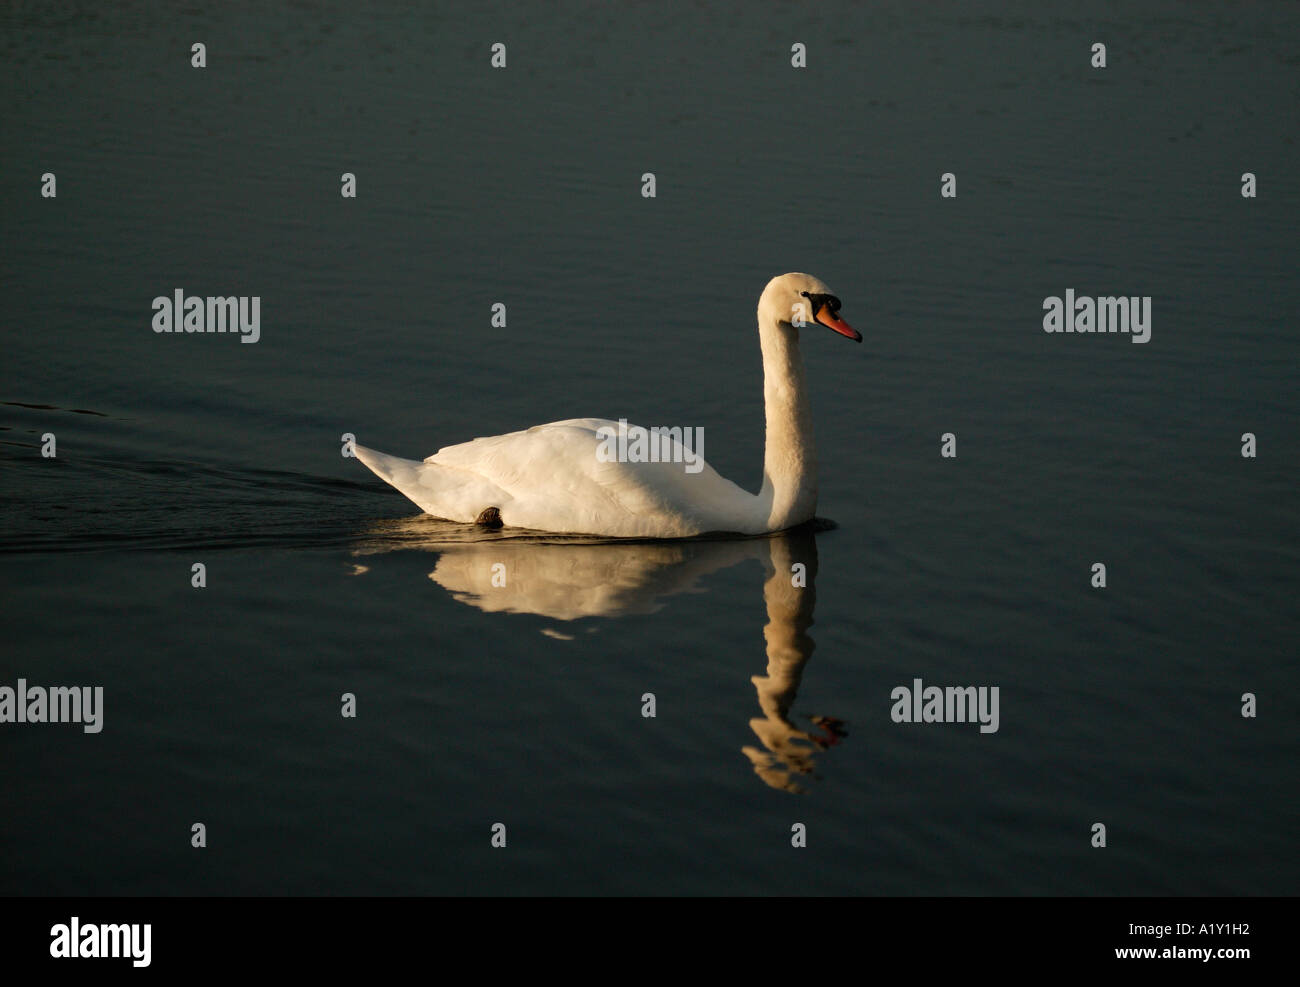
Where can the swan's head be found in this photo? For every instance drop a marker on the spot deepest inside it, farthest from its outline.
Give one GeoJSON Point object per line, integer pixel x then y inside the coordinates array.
{"type": "Point", "coordinates": [794, 301]}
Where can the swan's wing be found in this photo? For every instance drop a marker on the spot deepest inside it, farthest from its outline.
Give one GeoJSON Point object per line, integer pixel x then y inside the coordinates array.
{"type": "Point", "coordinates": [467, 453]}
{"type": "Point", "coordinates": [551, 477]}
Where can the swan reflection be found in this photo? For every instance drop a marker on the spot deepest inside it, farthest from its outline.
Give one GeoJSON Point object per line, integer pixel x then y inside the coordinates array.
{"type": "Point", "coordinates": [568, 579]}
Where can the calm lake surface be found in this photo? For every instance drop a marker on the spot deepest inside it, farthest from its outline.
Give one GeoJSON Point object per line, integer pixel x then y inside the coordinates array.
{"type": "Point", "coordinates": [523, 704]}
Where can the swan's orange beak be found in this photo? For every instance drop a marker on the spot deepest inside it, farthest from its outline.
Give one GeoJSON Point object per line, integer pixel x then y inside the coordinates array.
{"type": "Point", "coordinates": [832, 321]}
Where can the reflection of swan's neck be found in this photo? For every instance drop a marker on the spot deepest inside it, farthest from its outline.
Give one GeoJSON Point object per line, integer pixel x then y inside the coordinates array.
{"type": "Point", "coordinates": [790, 603]}
{"type": "Point", "coordinates": [789, 615]}
{"type": "Point", "coordinates": [789, 457]}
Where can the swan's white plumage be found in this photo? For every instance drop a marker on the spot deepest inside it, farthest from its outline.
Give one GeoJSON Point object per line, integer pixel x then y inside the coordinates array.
{"type": "Point", "coordinates": [551, 478]}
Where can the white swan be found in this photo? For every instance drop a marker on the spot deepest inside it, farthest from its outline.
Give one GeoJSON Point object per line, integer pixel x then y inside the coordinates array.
{"type": "Point", "coordinates": [552, 477]}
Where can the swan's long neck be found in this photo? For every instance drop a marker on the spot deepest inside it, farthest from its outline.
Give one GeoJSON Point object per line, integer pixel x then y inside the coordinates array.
{"type": "Point", "coordinates": [789, 457]}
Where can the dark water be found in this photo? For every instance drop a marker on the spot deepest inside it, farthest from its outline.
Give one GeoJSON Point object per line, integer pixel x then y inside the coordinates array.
{"type": "Point", "coordinates": [522, 705]}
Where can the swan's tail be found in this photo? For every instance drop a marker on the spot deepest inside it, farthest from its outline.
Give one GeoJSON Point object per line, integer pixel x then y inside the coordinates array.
{"type": "Point", "coordinates": [391, 469]}
{"type": "Point", "coordinates": [404, 474]}
{"type": "Point", "coordinates": [438, 490]}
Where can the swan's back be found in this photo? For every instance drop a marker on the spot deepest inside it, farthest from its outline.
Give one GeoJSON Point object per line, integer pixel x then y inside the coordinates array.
{"type": "Point", "coordinates": [552, 478]}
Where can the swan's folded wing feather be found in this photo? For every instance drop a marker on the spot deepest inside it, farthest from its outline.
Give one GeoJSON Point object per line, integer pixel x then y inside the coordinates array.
{"type": "Point", "coordinates": [552, 477]}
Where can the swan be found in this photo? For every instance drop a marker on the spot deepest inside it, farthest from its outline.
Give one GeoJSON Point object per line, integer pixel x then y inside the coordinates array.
{"type": "Point", "coordinates": [554, 478]}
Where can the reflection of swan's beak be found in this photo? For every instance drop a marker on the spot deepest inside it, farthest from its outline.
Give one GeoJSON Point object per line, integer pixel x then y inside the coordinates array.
{"type": "Point", "coordinates": [831, 320]}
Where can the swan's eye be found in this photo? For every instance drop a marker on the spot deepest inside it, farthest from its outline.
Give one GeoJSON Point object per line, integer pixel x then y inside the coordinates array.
{"type": "Point", "coordinates": [819, 301]}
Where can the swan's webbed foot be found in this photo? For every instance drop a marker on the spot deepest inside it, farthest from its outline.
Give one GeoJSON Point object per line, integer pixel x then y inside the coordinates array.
{"type": "Point", "coordinates": [489, 517]}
